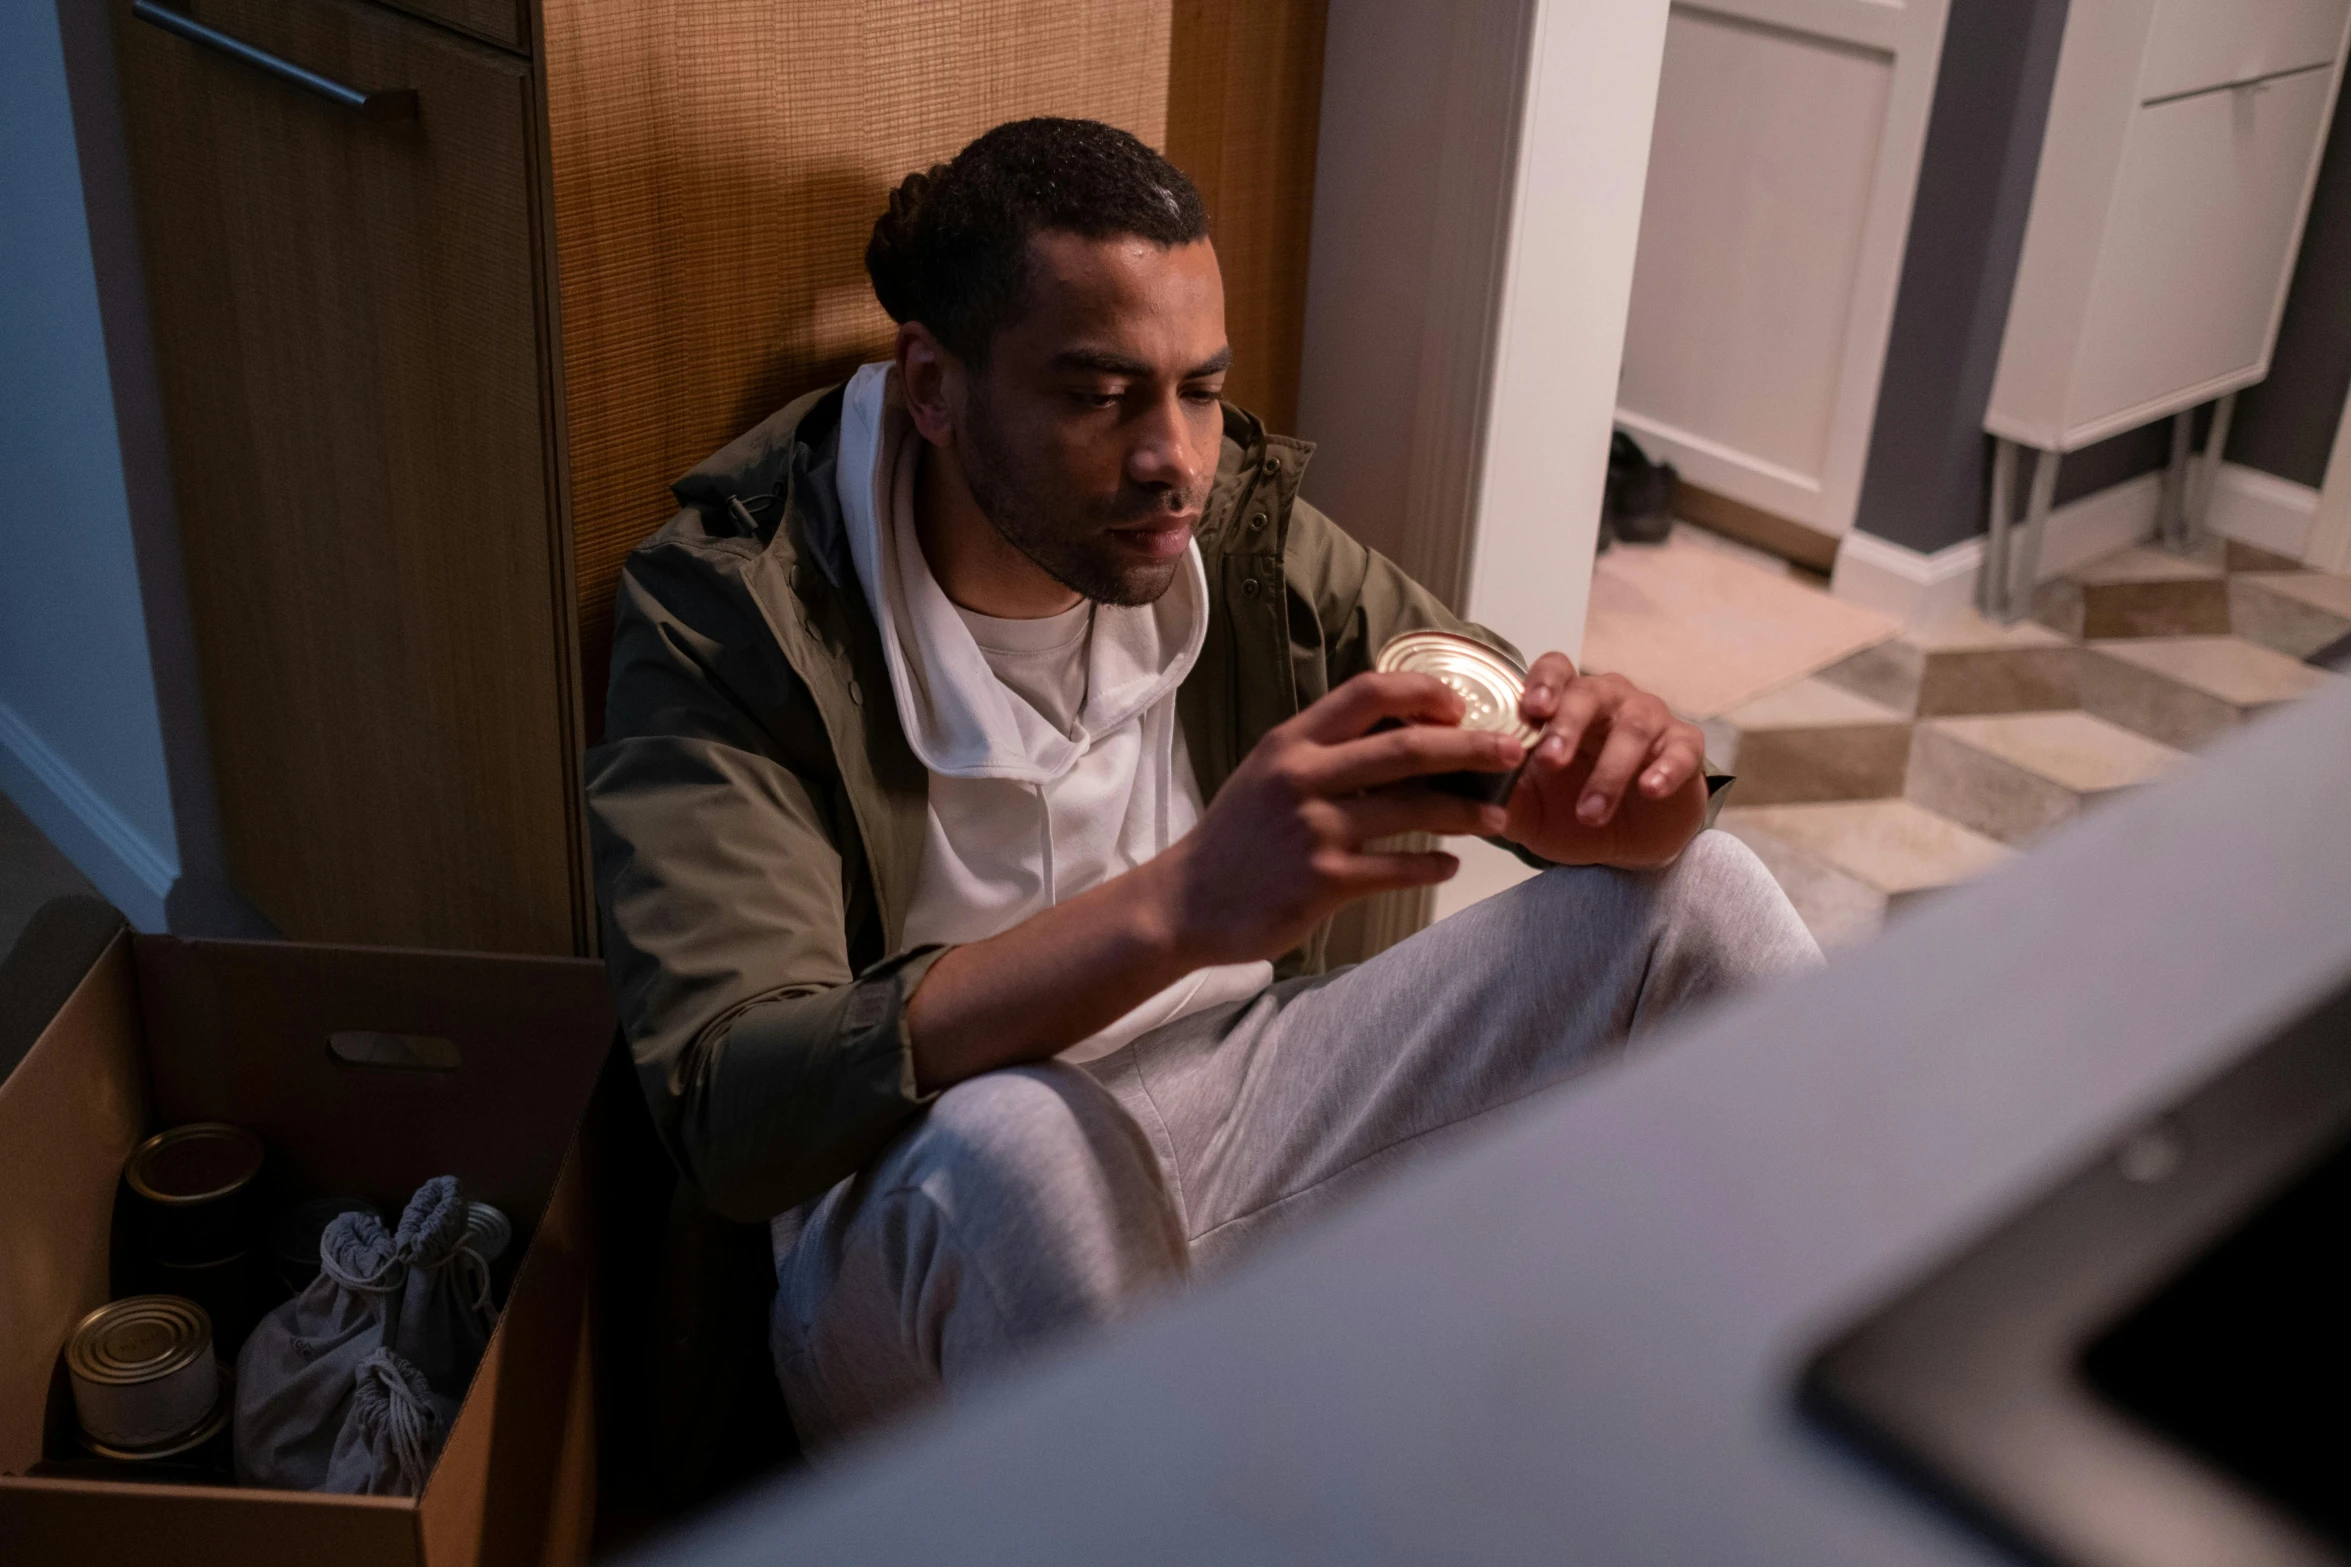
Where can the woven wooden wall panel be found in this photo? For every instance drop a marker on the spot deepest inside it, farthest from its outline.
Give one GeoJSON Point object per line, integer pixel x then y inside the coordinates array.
{"type": "Point", "coordinates": [1244, 104]}
{"type": "Point", "coordinates": [717, 165]}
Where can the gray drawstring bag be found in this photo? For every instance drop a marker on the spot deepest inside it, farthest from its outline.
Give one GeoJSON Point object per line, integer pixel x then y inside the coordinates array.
{"type": "Point", "coordinates": [352, 1385]}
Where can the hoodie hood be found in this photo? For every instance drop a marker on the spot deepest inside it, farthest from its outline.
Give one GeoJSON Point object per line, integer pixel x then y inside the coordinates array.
{"type": "Point", "coordinates": [960, 721]}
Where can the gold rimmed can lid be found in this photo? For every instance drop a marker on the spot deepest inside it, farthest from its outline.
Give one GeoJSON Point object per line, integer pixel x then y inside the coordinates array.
{"type": "Point", "coordinates": [200, 1162]}
{"type": "Point", "coordinates": [1488, 682]}
{"type": "Point", "coordinates": [144, 1338]}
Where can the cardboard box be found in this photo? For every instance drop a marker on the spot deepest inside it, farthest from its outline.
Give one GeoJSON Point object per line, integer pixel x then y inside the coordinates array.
{"type": "Point", "coordinates": [163, 1031]}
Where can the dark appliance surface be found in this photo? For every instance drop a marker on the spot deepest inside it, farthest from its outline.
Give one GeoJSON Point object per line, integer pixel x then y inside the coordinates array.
{"type": "Point", "coordinates": [2151, 1363]}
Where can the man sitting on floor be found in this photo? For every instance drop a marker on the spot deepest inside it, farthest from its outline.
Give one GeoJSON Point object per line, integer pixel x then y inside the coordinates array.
{"type": "Point", "coordinates": [990, 740]}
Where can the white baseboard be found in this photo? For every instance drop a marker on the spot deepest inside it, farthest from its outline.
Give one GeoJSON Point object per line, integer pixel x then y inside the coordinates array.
{"type": "Point", "coordinates": [1912, 586]}
{"type": "Point", "coordinates": [135, 876]}
{"type": "Point", "coordinates": [2262, 510]}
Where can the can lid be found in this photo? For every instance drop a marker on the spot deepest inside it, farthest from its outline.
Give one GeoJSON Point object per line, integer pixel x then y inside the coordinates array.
{"type": "Point", "coordinates": [201, 1162]}
{"type": "Point", "coordinates": [487, 1230]}
{"type": "Point", "coordinates": [1488, 682]}
{"type": "Point", "coordinates": [144, 1338]}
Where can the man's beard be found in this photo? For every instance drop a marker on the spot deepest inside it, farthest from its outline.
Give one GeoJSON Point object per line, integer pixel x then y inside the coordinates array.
{"type": "Point", "coordinates": [1071, 547]}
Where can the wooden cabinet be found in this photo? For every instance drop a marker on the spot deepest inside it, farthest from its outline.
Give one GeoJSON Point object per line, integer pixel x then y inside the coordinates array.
{"type": "Point", "coordinates": [427, 377]}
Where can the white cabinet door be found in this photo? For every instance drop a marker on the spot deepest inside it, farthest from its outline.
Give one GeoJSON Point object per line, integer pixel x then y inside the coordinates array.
{"type": "Point", "coordinates": [2205, 215]}
{"type": "Point", "coordinates": [1781, 171]}
{"type": "Point", "coordinates": [2213, 43]}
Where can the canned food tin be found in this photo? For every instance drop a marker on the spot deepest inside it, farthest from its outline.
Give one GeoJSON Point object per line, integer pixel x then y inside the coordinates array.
{"type": "Point", "coordinates": [1489, 684]}
{"type": "Point", "coordinates": [145, 1383]}
{"type": "Point", "coordinates": [197, 1188]}
{"type": "Point", "coordinates": [488, 1231]}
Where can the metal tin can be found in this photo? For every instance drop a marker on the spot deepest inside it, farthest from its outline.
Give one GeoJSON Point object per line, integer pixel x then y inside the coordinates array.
{"type": "Point", "coordinates": [145, 1382]}
{"type": "Point", "coordinates": [198, 1192]}
{"type": "Point", "coordinates": [1489, 684]}
{"type": "Point", "coordinates": [487, 1230]}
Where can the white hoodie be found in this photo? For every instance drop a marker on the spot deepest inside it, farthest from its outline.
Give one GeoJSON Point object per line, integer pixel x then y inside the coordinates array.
{"type": "Point", "coordinates": [1024, 813]}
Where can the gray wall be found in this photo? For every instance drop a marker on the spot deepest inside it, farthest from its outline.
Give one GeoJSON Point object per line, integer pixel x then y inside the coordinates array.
{"type": "Point", "coordinates": [101, 723]}
{"type": "Point", "coordinates": [1929, 460]}
{"type": "Point", "coordinates": [81, 735]}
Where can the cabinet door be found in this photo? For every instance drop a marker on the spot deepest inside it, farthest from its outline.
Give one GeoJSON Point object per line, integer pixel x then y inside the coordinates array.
{"type": "Point", "coordinates": [2201, 232]}
{"type": "Point", "coordinates": [2197, 44]}
{"type": "Point", "coordinates": [347, 322]}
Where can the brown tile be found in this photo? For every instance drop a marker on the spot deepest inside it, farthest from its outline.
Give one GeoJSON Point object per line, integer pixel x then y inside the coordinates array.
{"type": "Point", "coordinates": [2015, 778]}
{"type": "Point", "coordinates": [2000, 680]}
{"type": "Point", "coordinates": [2237, 555]}
{"type": "Point", "coordinates": [2229, 668]}
{"type": "Point", "coordinates": [2153, 704]}
{"type": "Point", "coordinates": [1888, 674]}
{"type": "Point", "coordinates": [2191, 607]}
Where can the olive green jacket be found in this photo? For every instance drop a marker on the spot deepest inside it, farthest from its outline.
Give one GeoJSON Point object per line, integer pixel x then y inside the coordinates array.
{"type": "Point", "coordinates": [758, 818]}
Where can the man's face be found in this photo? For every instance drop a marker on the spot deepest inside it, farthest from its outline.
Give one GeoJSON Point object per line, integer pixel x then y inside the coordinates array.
{"type": "Point", "coordinates": [1091, 438]}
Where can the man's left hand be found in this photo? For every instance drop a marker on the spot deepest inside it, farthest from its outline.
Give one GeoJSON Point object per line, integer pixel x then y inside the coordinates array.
{"type": "Point", "coordinates": [1614, 779]}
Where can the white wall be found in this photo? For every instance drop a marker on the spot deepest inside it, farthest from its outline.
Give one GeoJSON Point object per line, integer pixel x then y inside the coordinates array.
{"type": "Point", "coordinates": [1477, 208]}
{"type": "Point", "coordinates": [81, 737]}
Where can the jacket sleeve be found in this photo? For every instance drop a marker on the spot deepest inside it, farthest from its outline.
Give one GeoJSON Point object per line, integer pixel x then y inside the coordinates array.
{"type": "Point", "coordinates": [773, 1071]}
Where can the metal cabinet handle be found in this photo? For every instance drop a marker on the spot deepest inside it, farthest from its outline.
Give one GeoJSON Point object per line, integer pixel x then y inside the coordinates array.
{"type": "Point", "coordinates": [387, 103]}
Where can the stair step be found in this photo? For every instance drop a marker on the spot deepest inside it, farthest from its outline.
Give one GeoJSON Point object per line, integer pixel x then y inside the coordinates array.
{"type": "Point", "coordinates": [1811, 740]}
{"type": "Point", "coordinates": [1962, 663]}
{"type": "Point", "coordinates": [2189, 691]}
{"type": "Point", "coordinates": [2291, 612]}
{"type": "Point", "coordinates": [2017, 777]}
{"type": "Point", "coordinates": [2140, 592]}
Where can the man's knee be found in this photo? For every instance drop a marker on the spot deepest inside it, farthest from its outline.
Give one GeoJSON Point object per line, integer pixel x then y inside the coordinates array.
{"type": "Point", "coordinates": [1041, 1156]}
{"type": "Point", "coordinates": [1727, 914]}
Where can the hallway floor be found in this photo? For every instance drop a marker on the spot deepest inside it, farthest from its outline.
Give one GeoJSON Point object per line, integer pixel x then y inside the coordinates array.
{"type": "Point", "coordinates": [1939, 752]}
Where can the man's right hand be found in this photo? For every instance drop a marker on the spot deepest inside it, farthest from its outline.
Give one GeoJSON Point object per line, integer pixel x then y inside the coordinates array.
{"type": "Point", "coordinates": [1282, 847]}
{"type": "Point", "coordinates": [1279, 849]}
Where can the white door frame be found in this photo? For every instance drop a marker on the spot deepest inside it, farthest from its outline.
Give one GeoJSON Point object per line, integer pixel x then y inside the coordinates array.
{"type": "Point", "coordinates": [2329, 548]}
{"type": "Point", "coordinates": [1911, 35]}
{"type": "Point", "coordinates": [1477, 207]}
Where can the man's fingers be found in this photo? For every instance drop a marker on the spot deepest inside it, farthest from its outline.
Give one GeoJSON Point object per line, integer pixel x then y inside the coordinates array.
{"type": "Point", "coordinates": [1632, 734]}
{"type": "Point", "coordinates": [1396, 811]}
{"type": "Point", "coordinates": [1578, 707]}
{"type": "Point", "coordinates": [1413, 751]}
{"type": "Point", "coordinates": [1550, 677]}
{"type": "Point", "coordinates": [1676, 757]}
{"type": "Point", "coordinates": [1363, 875]}
{"type": "Point", "coordinates": [1370, 698]}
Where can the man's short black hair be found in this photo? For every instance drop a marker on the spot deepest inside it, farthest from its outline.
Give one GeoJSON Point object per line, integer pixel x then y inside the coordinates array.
{"type": "Point", "coordinates": [952, 251]}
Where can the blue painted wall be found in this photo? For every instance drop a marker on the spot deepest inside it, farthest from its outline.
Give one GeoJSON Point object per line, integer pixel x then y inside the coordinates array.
{"type": "Point", "coordinates": [81, 737]}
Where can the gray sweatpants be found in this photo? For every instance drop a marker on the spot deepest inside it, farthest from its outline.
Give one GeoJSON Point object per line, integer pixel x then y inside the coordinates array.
{"type": "Point", "coordinates": [1028, 1201]}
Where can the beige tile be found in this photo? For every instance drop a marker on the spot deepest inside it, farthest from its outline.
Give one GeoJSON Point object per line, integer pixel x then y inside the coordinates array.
{"type": "Point", "coordinates": [2076, 750]}
{"type": "Point", "coordinates": [2265, 608]}
{"type": "Point", "coordinates": [2153, 704]}
{"type": "Point", "coordinates": [2147, 563]}
{"type": "Point", "coordinates": [1965, 630]}
{"type": "Point", "coordinates": [1810, 703]}
{"type": "Point", "coordinates": [2229, 668]}
{"type": "Point", "coordinates": [1891, 845]}
{"type": "Point", "coordinates": [1707, 631]}
{"type": "Point", "coordinates": [2321, 590]}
